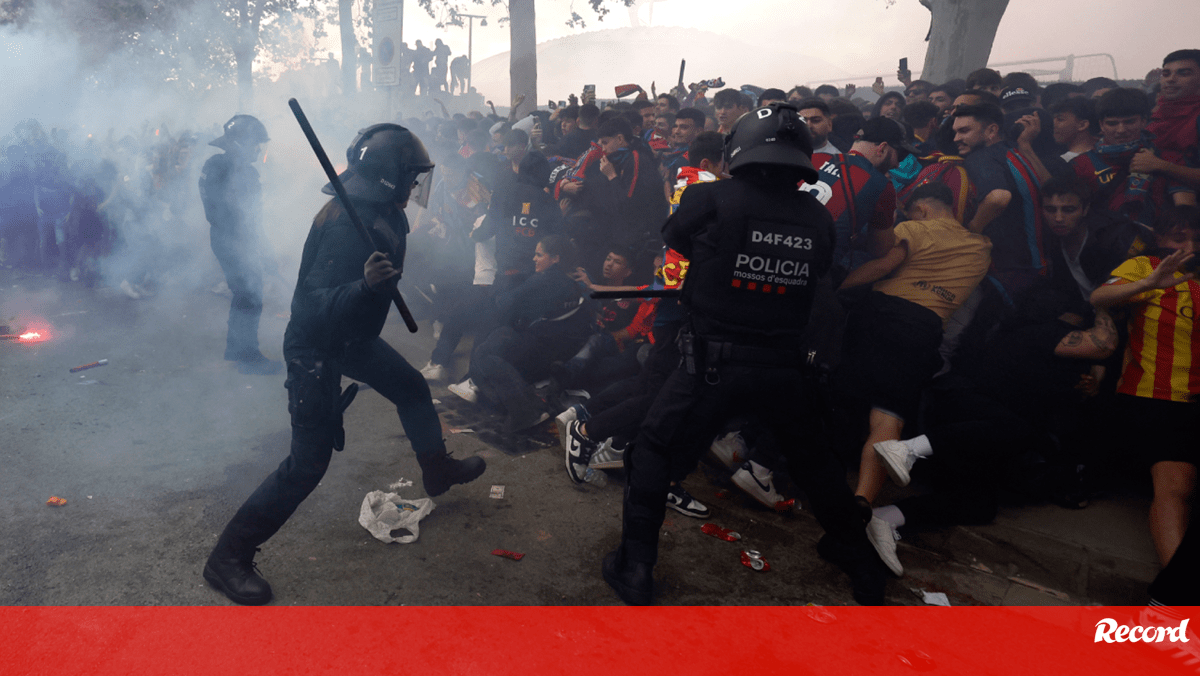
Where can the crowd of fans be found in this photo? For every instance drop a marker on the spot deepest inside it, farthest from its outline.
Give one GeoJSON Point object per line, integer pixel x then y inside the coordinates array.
{"type": "Point", "coordinates": [1011, 301]}
{"type": "Point", "coordinates": [95, 209]}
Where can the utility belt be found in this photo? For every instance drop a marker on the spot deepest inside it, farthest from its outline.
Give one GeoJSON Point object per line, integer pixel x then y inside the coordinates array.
{"type": "Point", "coordinates": [707, 356]}
{"type": "Point", "coordinates": [315, 397]}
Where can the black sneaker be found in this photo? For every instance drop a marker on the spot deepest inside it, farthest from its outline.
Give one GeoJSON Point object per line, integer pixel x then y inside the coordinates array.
{"type": "Point", "coordinates": [681, 501]}
{"type": "Point", "coordinates": [441, 471]}
{"type": "Point", "coordinates": [858, 559]}
{"type": "Point", "coordinates": [238, 579]}
{"type": "Point", "coordinates": [579, 450]}
{"type": "Point", "coordinates": [633, 582]}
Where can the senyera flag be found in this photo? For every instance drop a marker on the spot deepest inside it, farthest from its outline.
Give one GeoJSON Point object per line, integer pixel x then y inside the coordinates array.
{"type": "Point", "coordinates": [1060, 641]}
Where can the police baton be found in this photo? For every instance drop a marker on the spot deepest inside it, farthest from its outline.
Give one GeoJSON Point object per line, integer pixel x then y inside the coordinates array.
{"type": "Point", "coordinates": [641, 293]}
{"type": "Point", "coordinates": [341, 193]}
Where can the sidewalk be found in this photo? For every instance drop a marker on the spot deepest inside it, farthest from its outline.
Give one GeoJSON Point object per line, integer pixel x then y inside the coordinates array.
{"type": "Point", "coordinates": [1099, 555]}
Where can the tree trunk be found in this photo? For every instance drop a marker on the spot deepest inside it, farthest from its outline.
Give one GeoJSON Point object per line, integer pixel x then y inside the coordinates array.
{"type": "Point", "coordinates": [244, 48]}
{"type": "Point", "coordinates": [960, 40]}
{"type": "Point", "coordinates": [522, 64]}
{"type": "Point", "coordinates": [349, 47]}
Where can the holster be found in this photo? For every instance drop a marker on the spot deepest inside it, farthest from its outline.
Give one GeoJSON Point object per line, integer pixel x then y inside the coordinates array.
{"type": "Point", "coordinates": [686, 341]}
{"type": "Point", "coordinates": [315, 398]}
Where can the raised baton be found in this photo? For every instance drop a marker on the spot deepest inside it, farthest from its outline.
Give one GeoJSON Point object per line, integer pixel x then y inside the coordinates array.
{"type": "Point", "coordinates": [341, 193]}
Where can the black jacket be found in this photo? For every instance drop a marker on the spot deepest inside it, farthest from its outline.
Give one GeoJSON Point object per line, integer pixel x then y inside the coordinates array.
{"type": "Point", "coordinates": [549, 295]}
{"type": "Point", "coordinates": [756, 253]}
{"type": "Point", "coordinates": [630, 209]}
{"type": "Point", "coordinates": [1112, 239]}
{"type": "Point", "coordinates": [332, 306]}
{"type": "Point", "coordinates": [519, 218]}
{"type": "Point", "coordinates": [232, 196]}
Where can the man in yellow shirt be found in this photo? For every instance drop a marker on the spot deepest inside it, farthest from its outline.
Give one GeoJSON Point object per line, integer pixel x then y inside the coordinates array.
{"type": "Point", "coordinates": [890, 350]}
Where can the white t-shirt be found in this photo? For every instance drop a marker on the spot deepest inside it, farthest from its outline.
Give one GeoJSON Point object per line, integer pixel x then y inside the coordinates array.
{"type": "Point", "coordinates": [828, 149]}
{"type": "Point", "coordinates": [485, 258]}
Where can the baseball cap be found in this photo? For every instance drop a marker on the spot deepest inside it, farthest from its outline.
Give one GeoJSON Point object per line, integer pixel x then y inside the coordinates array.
{"type": "Point", "coordinates": [886, 130]}
{"type": "Point", "coordinates": [1016, 98]}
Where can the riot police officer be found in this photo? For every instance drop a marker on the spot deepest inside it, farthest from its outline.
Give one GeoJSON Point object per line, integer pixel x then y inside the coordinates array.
{"type": "Point", "coordinates": [232, 197]}
{"type": "Point", "coordinates": [757, 247]}
{"type": "Point", "coordinates": [340, 305]}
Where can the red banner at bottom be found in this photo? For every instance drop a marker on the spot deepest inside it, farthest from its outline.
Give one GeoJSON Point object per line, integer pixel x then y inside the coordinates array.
{"type": "Point", "coordinates": [756, 641]}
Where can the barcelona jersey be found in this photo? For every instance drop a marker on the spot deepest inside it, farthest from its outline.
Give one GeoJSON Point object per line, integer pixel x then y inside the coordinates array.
{"type": "Point", "coordinates": [1160, 361]}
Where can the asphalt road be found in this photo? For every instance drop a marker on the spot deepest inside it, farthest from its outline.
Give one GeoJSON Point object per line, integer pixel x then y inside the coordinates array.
{"type": "Point", "coordinates": [155, 451]}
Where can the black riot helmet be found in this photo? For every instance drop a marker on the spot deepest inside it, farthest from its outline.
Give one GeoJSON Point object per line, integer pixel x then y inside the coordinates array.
{"type": "Point", "coordinates": [242, 133]}
{"type": "Point", "coordinates": [773, 135]}
{"type": "Point", "coordinates": [385, 164]}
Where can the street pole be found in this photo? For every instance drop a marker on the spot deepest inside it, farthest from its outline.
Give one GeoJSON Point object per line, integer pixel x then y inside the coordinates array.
{"type": "Point", "coordinates": [471, 43]}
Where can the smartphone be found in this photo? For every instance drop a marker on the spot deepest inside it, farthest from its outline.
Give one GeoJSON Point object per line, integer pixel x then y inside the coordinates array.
{"type": "Point", "coordinates": [589, 92]}
{"type": "Point", "coordinates": [904, 64]}
{"type": "Point", "coordinates": [562, 104]}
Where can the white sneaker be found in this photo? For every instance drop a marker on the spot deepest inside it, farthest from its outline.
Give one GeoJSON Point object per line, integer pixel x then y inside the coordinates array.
{"type": "Point", "coordinates": [466, 390]}
{"type": "Point", "coordinates": [730, 449]}
{"type": "Point", "coordinates": [897, 458]}
{"type": "Point", "coordinates": [756, 481]}
{"type": "Point", "coordinates": [578, 452]}
{"type": "Point", "coordinates": [434, 371]}
{"type": "Point", "coordinates": [681, 501]}
{"type": "Point", "coordinates": [562, 420]}
{"type": "Point", "coordinates": [437, 329]}
{"type": "Point", "coordinates": [883, 538]}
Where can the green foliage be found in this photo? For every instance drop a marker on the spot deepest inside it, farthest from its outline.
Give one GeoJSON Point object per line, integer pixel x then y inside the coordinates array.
{"type": "Point", "coordinates": [447, 11]}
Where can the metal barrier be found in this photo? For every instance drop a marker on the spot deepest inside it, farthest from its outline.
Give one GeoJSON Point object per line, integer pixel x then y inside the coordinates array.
{"type": "Point", "coordinates": [1064, 74]}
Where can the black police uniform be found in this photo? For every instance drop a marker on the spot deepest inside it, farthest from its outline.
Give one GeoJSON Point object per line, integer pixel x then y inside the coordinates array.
{"type": "Point", "coordinates": [232, 196]}
{"type": "Point", "coordinates": [334, 330]}
{"type": "Point", "coordinates": [757, 248]}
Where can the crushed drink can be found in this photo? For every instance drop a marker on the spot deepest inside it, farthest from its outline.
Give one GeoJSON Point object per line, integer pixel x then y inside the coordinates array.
{"type": "Point", "coordinates": [56, 501]}
{"type": "Point", "coordinates": [752, 559]}
{"type": "Point", "coordinates": [508, 555]}
{"type": "Point", "coordinates": [718, 532]}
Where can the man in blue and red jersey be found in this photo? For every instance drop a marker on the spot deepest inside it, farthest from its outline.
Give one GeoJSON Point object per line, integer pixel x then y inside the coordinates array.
{"type": "Point", "coordinates": [1123, 115]}
{"type": "Point", "coordinates": [1006, 209]}
{"type": "Point", "coordinates": [854, 187]}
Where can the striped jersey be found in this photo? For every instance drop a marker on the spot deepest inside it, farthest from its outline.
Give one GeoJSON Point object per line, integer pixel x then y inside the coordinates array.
{"type": "Point", "coordinates": [1161, 358]}
{"type": "Point", "coordinates": [949, 170]}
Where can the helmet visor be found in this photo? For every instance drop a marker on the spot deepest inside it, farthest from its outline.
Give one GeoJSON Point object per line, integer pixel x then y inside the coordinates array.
{"type": "Point", "coordinates": [422, 187]}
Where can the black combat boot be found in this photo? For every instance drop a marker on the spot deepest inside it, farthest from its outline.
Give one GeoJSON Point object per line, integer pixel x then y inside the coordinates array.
{"type": "Point", "coordinates": [439, 471]}
{"type": "Point", "coordinates": [237, 577]}
{"type": "Point", "coordinates": [632, 580]}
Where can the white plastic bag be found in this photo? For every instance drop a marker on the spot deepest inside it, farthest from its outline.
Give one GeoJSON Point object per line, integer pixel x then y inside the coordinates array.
{"type": "Point", "coordinates": [384, 513]}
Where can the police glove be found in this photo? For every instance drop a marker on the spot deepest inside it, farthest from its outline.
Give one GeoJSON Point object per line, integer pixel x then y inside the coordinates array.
{"type": "Point", "coordinates": [377, 270]}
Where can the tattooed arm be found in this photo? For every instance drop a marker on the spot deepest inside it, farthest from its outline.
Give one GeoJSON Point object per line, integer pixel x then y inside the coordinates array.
{"type": "Point", "coordinates": [1096, 343]}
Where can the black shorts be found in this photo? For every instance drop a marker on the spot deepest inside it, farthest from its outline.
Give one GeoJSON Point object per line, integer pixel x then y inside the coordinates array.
{"type": "Point", "coordinates": [889, 354]}
{"type": "Point", "coordinates": [1158, 430]}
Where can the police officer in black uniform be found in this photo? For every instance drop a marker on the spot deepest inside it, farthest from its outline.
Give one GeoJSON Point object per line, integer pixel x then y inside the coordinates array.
{"type": "Point", "coordinates": [340, 305]}
{"type": "Point", "coordinates": [757, 247]}
{"type": "Point", "coordinates": [232, 197]}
